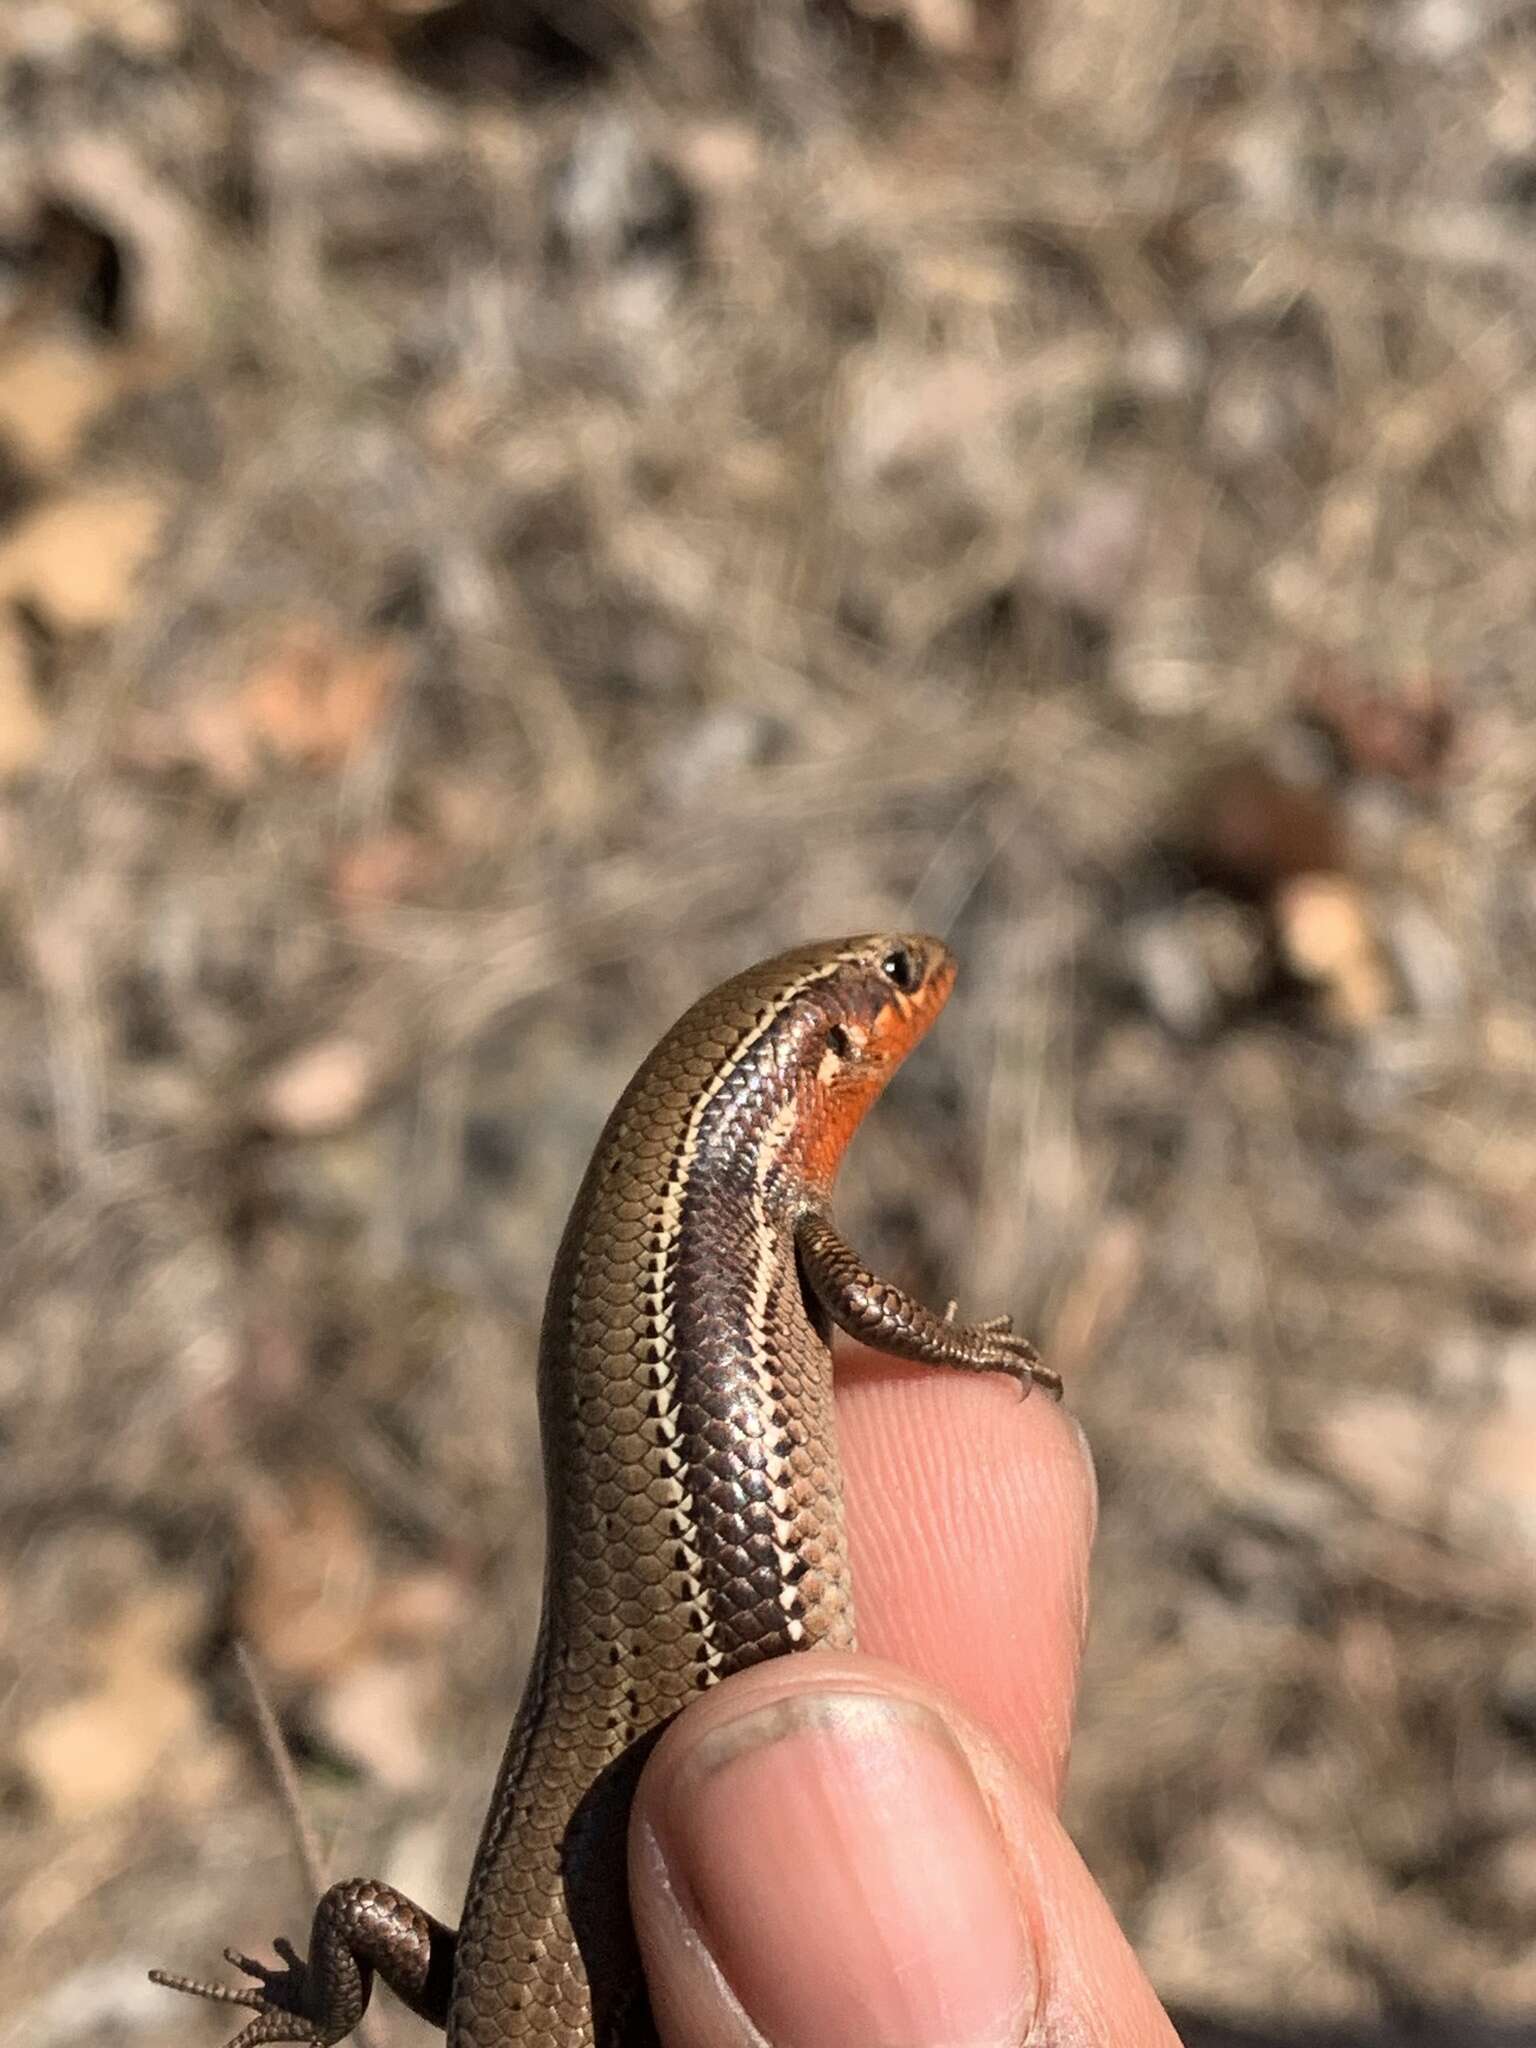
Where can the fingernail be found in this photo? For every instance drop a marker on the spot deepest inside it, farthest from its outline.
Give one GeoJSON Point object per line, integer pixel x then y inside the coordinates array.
{"type": "Point", "coordinates": [842, 1866]}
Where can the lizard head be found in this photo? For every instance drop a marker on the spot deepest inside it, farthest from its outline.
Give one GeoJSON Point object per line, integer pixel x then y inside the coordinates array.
{"type": "Point", "coordinates": [873, 1001]}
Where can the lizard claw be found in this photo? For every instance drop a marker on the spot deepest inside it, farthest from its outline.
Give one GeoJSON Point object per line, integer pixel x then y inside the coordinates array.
{"type": "Point", "coordinates": [276, 1997]}
{"type": "Point", "coordinates": [221, 1994]}
{"type": "Point", "coordinates": [281, 1990]}
{"type": "Point", "coordinates": [1006, 1351]}
{"type": "Point", "coordinates": [251, 1968]}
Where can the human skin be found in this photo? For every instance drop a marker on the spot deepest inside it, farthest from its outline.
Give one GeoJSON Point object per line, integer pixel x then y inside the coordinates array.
{"type": "Point", "coordinates": [864, 1851]}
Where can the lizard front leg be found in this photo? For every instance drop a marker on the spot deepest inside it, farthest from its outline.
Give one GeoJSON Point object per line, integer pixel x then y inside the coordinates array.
{"type": "Point", "coordinates": [889, 1320]}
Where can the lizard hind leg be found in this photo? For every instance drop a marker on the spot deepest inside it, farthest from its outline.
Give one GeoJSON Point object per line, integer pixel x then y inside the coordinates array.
{"type": "Point", "coordinates": [889, 1320]}
{"type": "Point", "coordinates": [274, 2021]}
{"type": "Point", "coordinates": [360, 1927]}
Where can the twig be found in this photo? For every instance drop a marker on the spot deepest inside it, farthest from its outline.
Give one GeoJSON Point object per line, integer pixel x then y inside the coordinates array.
{"type": "Point", "coordinates": [280, 1763]}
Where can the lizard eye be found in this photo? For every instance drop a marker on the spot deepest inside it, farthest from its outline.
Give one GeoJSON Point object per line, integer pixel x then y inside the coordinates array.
{"type": "Point", "coordinates": [839, 1044]}
{"type": "Point", "coordinates": [899, 966]}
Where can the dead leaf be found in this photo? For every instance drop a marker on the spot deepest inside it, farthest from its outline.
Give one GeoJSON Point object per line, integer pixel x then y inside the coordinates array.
{"type": "Point", "coordinates": [950, 28]}
{"type": "Point", "coordinates": [23, 725]}
{"type": "Point", "coordinates": [1099, 1296]}
{"type": "Point", "coordinates": [1494, 1505]}
{"type": "Point", "coordinates": [375, 1713]}
{"type": "Point", "coordinates": [95, 170]}
{"type": "Point", "coordinates": [317, 1610]}
{"type": "Point", "coordinates": [99, 1750]}
{"type": "Point", "coordinates": [145, 28]}
{"type": "Point", "coordinates": [309, 700]}
{"type": "Point", "coordinates": [419, 1607]}
{"type": "Point", "coordinates": [1326, 936]}
{"type": "Point", "coordinates": [51, 388]}
{"type": "Point", "coordinates": [1472, 1482]}
{"type": "Point", "coordinates": [316, 697]}
{"type": "Point", "coordinates": [76, 558]}
{"type": "Point", "coordinates": [321, 1088]}
{"type": "Point", "coordinates": [386, 867]}
{"type": "Point", "coordinates": [1386, 1449]}
{"type": "Point", "coordinates": [1407, 733]}
{"type": "Point", "coordinates": [305, 1600]}
{"type": "Point", "coordinates": [1249, 829]}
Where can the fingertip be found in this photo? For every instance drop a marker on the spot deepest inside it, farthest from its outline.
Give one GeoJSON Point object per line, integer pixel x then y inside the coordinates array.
{"type": "Point", "coordinates": [813, 1824]}
{"type": "Point", "coordinates": [970, 1520]}
{"type": "Point", "coordinates": [825, 1849]}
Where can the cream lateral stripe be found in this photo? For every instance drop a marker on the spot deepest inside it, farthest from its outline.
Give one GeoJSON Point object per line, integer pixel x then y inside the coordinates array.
{"type": "Point", "coordinates": [658, 1306]}
{"type": "Point", "coordinates": [764, 1279]}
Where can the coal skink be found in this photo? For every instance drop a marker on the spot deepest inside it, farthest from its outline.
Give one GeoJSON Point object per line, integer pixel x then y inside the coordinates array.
{"type": "Point", "coordinates": [694, 1516]}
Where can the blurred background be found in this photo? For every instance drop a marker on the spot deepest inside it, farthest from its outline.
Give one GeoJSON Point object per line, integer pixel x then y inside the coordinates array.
{"type": "Point", "coordinates": [512, 509]}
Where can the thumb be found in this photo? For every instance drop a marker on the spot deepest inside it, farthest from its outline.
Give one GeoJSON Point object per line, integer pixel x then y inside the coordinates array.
{"type": "Point", "coordinates": [824, 1852]}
